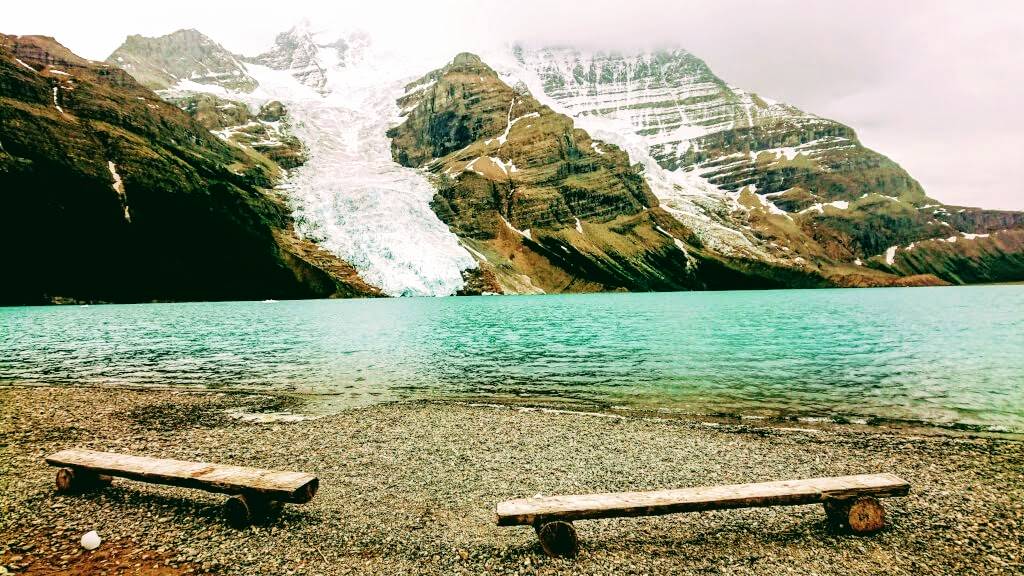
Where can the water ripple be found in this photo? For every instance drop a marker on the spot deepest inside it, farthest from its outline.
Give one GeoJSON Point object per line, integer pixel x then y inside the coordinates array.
{"type": "Point", "coordinates": [947, 355]}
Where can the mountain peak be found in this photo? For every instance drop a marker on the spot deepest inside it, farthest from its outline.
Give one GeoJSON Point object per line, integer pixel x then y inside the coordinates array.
{"type": "Point", "coordinates": [298, 51]}
{"type": "Point", "coordinates": [184, 55]}
{"type": "Point", "coordinates": [466, 58]}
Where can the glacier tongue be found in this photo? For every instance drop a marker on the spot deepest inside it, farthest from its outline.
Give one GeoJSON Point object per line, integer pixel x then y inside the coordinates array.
{"type": "Point", "coordinates": [350, 196]}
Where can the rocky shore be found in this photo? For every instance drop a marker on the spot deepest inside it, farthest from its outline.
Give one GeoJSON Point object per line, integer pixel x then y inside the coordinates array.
{"type": "Point", "coordinates": [409, 488]}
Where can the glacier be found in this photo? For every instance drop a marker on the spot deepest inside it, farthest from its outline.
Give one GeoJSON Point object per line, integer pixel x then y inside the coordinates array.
{"type": "Point", "coordinates": [350, 197]}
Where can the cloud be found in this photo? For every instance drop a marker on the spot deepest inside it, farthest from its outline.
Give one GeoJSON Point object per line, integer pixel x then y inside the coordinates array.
{"type": "Point", "coordinates": [934, 85]}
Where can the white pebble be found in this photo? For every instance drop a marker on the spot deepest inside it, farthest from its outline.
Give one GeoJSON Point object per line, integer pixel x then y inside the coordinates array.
{"type": "Point", "coordinates": [91, 540]}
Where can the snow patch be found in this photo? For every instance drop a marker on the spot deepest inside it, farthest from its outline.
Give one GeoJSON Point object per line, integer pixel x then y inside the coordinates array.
{"type": "Point", "coordinates": [512, 122]}
{"type": "Point", "coordinates": [118, 187]}
{"type": "Point", "coordinates": [524, 233]}
{"type": "Point", "coordinates": [890, 255]}
{"type": "Point", "coordinates": [479, 256]}
{"type": "Point", "coordinates": [56, 93]}
{"type": "Point", "coordinates": [19, 60]}
{"type": "Point", "coordinates": [772, 208]}
{"type": "Point", "coordinates": [820, 207]}
{"type": "Point", "coordinates": [679, 244]}
{"type": "Point", "coordinates": [473, 163]}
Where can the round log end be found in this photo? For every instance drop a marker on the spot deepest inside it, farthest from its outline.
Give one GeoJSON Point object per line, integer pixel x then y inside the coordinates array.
{"type": "Point", "coordinates": [866, 515]}
{"type": "Point", "coordinates": [237, 511]}
{"type": "Point", "coordinates": [65, 479]}
{"type": "Point", "coordinates": [558, 539]}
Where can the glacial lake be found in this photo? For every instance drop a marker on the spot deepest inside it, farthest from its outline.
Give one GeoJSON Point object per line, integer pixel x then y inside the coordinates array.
{"type": "Point", "coordinates": [949, 356]}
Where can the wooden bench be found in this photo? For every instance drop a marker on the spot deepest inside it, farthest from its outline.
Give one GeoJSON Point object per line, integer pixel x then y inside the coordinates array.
{"type": "Point", "coordinates": [850, 502]}
{"type": "Point", "coordinates": [255, 492]}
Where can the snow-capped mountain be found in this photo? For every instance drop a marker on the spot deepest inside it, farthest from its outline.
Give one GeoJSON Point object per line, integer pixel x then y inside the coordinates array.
{"type": "Point", "coordinates": [795, 181]}
{"type": "Point", "coordinates": [297, 53]}
{"type": "Point", "coordinates": [753, 192]}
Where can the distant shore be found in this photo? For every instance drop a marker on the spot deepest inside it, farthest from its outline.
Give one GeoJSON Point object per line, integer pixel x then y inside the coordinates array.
{"type": "Point", "coordinates": [409, 488]}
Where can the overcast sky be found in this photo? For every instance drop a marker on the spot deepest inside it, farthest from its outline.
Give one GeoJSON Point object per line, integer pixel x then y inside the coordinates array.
{"type": "Point", "coordinates": [935, 85]}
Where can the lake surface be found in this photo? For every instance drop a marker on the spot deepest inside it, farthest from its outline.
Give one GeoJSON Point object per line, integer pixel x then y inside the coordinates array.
{"type": "Point", "coordinates": [940, 355]}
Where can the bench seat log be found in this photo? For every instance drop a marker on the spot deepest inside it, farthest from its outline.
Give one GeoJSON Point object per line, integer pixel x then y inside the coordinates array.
{"type": "Point", "coordinates": [275, 485]}
{"type": "Point", "coordinates": [530, 511]}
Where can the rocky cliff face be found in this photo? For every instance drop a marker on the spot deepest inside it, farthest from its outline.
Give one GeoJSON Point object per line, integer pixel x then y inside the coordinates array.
{"type": "Point", "coordinates": [797, 186]}
{"type": "Point", "coordinates": [962, 258]}
{"type": "Point", "coordinates": [184, 56]}
{"type": "Point", "coordinates": [543, 206]}
{"type": "Point", "coordinates": [185, 66]}
{"type": "Point", "coordinates": [692, 120]}
{"type": "Point", "coordinates": [120, 196]}
{"type": "Point", "coordinates": [266, 132]}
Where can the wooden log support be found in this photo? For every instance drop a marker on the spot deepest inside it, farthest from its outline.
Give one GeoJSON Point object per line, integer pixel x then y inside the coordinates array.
{"type": "Point", "coordinates": [837, 513]}
{"type": "Point", "coordinates": [863, 515]}
{"type": "Point", "coordinates": [237, 511]}
{"type": "Point", "coordinates": [241, 510]}
{"type": "Point", "coordinates": [850, 501]}
{"type": "Point", "coordinates": [558, 538]}
{"type": "Point", "coordinates": [866, 515]}
{"type": "Point", "coordinates": [256, 493]}
{"type": "Point", "coordinates": [73, 480]}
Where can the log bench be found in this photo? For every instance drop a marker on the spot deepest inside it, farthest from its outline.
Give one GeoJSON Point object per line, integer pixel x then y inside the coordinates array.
{"type": "Point", "coordinates": [255, 492]}
{"type": "Point", "coordinates": [850, 502]}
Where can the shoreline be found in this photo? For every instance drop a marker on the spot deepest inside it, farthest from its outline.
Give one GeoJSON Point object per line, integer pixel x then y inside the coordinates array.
{"type": "Point", "coordinates": [72, 301]}
{"type": "Point", "coordinates": [314, 401]}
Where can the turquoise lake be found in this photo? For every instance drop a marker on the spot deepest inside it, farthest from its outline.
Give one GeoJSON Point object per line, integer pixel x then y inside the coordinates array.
{"type": "Point", "coordinates": [938, 355]}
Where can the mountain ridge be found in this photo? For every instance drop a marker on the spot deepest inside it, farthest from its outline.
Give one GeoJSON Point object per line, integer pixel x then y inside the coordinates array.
{"type": "Point", "coordinates": [638, 172]}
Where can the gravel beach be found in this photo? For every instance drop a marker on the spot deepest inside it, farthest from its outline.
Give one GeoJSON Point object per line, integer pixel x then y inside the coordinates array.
{"type": "Point", "coordinates": [410, 488]}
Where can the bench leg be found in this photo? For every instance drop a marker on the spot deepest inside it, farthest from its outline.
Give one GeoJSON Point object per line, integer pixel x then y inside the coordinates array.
{"type": "Point", "coordinates": [242, 510]}
{"type": "Point", "coordinates": [558, 538]}
{"type": "Point", "coordinates": [237, 511]}
{"type": "Point", "coordinates": [77, 480]}
{"type": "Point", "coordinates": [863, 515]}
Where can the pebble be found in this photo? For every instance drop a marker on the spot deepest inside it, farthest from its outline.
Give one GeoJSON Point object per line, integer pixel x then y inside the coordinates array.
{"type": "Point", "coordinates": [410, 488]}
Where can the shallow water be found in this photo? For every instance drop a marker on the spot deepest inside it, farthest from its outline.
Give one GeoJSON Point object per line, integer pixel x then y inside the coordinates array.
{"type": "Point", "coordinates": [941, 355]}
